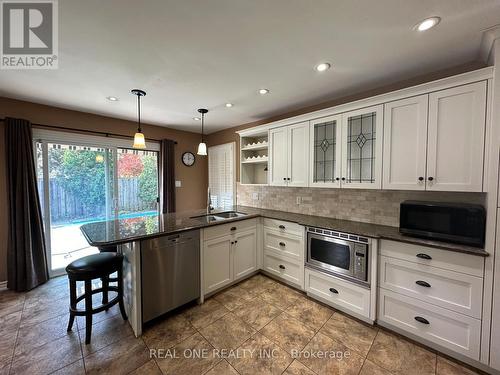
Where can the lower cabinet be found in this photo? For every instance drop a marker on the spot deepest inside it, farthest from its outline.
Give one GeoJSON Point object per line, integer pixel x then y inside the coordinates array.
{"type": "Point", "coordinates": [217, 263]}
{"type": "Point", "coordinates": [245, 254]}
{"type": "Point", "coordinates": [452, 330]}
{"type": "Point", "coordinates": [284, 251]}
{"type": "Point", "coordinates": [228, 258]}
{"type": "Point", "coordinates": [343, 295]}
{"type": "Point", "coordinates": [284, 269]}
{"type": "Point", "coordinates": [437, 298]}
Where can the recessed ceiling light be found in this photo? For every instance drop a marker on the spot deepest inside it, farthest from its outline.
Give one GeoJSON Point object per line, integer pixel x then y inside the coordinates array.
{"type": "Point", "coordinates": [427, 23]}
{"type": "Point", "coordinates": [322, 67]}
{"type": "Point", "coordinates": [229, 105]}
{"type": "Point", "coordinates": [263, 91]}
{"type": "Point", "coordinates": [196, 118]}
{"type": "Point", "coordinates": [112, 98]}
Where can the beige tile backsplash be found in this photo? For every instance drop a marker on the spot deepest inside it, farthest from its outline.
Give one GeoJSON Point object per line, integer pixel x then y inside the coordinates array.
{"type": "Point", "coordinates": [371, 206]}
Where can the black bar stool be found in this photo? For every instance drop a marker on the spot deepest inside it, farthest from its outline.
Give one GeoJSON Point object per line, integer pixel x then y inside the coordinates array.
{"type": "Point", "coordinates": [97, 266]}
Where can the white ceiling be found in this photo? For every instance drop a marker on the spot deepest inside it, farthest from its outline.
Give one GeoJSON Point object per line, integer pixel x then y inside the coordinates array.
{"type": "Point", "coordinates": [188, 54]}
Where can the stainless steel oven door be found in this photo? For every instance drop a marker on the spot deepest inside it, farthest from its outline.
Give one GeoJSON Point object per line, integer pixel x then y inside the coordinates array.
{"type": "Point", "coordinates": [331, 254]}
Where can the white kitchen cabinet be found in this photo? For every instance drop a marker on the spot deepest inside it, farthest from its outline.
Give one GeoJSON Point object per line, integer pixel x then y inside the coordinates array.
{"type": "Point", "coordinates": [341, 294]}
{"type": "Point", "coordinates": [456, 129]}
{"type": "Point", "coordinates": [325, 152]}
{"type": "Point", "coordinates": [405, 143]}
{"type": "Point", "coordinates": [362, 133]}
{"type": "Point", "coordinates": [229, 253]}
{"type": "Point", "coordinates": [298, 154]}
{"type": "Point", "coordinates": [278, 166]}
{"type": "Point", "coordinates": [451, 330]}
{"type": "Point", "coordinates": [245, 254]}
{"type": "Point", "coordinates": [217, 263]}
{"type": "Point", "coordinates": [289, 164]}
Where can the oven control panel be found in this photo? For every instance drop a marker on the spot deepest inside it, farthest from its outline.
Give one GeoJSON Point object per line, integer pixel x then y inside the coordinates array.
{"type": "Point", "coordinates": [360, 260]}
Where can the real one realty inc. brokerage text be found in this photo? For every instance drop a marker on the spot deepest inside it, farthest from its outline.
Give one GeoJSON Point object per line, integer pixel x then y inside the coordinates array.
{"type": "Point", "coordinates": [245, 353]}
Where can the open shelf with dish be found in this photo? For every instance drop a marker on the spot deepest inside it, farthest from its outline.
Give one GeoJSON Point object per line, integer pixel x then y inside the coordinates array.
{"type": "Point", "coordinates": [254, 153]}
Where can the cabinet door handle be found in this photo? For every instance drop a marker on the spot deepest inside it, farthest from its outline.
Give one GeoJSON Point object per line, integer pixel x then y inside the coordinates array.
{"type": "Point", "coordinates": [343, 178]}
{"type": "Point", "coordinates": [282, 267]}
{"type": "Point", "coordinates": [337, 179]}
{"type": "Point", "coordinates": [421, 320]}
{"type": "Point", "coordinates": [281, 227]}
{"type": "Point", "coordinates": [282, 244]}
{"type": "Point", "coordinates": [431, 178]}
{"type": "Point", "coordinates": [232, 243]}
{"type": "Point", "coordinates": [424, 256]}
{"type": "Point", "coordinates": [289, 179]}
{"type": "Point", "coordinates": [420, 178]}
{"type": "Point", "coordinates": [236, 241]}
{"type": "Point", "coordinates": [284, 178]}
{"type": "Point", "coordinates": [423, 283]}
{"type": "Point", "coordinates": [233, 228]}
{"type": "Point", "coordinates": [333, 290]}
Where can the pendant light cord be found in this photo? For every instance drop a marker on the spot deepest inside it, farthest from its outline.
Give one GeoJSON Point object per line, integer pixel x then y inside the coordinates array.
{"type": "Point", "coordinates": [202, 123]}
{"type": "Point", "coordinates": [139, 112]}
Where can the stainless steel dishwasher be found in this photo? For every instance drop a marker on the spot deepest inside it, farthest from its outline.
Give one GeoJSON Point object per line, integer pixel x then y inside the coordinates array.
{"type": "Point", "coordinates": [170, 273]}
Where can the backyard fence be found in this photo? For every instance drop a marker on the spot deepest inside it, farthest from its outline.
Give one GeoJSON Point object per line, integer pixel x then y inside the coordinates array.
{"type": "Point", "coordinates": [67, 206]}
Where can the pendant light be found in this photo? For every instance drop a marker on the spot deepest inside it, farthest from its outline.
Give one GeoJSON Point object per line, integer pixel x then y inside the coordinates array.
{"type": "Point", "coordinates": [202, 147]}
{"type": "Point", "coordinates": [139, 141]}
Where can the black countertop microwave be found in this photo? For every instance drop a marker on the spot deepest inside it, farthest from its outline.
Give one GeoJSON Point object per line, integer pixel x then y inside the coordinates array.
{"type": "Point", "coordinates": [461, 223]}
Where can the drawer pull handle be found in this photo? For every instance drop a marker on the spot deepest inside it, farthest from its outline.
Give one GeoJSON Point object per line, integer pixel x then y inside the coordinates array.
{"type": "Point", "coordinates": [281, 227]}
{"type": "Point", "coordinates": [282, 244]}
{"type": "Point", "coordinates": [421, 320]}
{"type": "Point", "coordinates": [233, 228]}
{"type": "Point", "coordinates": [333, 290]}
{"type": "Point", "coordinates": [424, 256]}
{"type": "Point", "coordinates": [423, 283]}
{"type": "Point", "coordinates": [282, 267]}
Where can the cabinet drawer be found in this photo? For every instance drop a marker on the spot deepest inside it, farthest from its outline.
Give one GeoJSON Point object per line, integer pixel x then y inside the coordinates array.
{"type": "Point", "coordinates": [285, 269]}
{"type": "Point", "coordinates": [452, 290]}
{"type": "Point", "coordinates": [285, 244]}
{"type": "Point", "coordinates": [284, 227]}
{"type": "Point", "coordinates": [449, 329]}
{"type": "Point", "coordinates": [225, 229]}
{"type": "Point", "coordinates": [348, 296]}
{"type": "Point", "coordinates": [450, 260]}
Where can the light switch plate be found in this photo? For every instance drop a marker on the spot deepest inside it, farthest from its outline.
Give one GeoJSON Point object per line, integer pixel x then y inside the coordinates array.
{"type": "Point", "coordinates": [255, 196]}
{"type": "Point", "coordinates": [178, 184]}
{"type": "Point", "coordinates": [299, 200]}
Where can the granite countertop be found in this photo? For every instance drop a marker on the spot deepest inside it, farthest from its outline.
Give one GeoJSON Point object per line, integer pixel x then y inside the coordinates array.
{"type": "Point", "coordinates": [119, 231]}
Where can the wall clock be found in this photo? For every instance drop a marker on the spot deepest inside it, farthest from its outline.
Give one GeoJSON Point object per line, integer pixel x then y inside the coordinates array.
{"type": "Point", "coordinates": [188, 159]}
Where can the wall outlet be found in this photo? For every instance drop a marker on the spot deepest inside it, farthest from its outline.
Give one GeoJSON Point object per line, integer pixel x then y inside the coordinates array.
{"type": "Point", "coordinates": [178, 184]}
{"type": "Point", "coordinates": [255, 196]}
{"type": "Point", "coordinates": [299, 200]}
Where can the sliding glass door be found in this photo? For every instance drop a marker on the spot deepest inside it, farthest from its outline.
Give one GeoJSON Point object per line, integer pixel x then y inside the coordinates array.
{"type": "Point", "coordinates": [81, 183]}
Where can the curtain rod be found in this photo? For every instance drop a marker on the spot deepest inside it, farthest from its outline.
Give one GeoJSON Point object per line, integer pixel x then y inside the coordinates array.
{"type": "Point", "coordinates": [106, 134]}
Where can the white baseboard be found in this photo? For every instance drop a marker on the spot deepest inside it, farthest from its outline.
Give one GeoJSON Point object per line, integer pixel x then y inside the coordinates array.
{"type": "Point", "coordinates": [3, 285]}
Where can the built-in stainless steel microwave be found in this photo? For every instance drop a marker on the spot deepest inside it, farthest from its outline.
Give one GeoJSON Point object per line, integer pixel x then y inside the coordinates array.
{"type": "Point", "coordinates": [340, 254]}
{"type": "Point", "coordinates": [454, 222]}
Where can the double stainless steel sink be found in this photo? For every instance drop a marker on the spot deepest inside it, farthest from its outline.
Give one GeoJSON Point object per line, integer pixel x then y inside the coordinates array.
{"type": "Point", "coordinates": [220, 216]}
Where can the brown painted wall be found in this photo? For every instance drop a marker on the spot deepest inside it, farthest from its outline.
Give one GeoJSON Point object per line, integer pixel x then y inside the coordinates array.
{"type": "Point", "coordinates": [194, 179]}
{"type": "Point", "coordinates": [229, 135]}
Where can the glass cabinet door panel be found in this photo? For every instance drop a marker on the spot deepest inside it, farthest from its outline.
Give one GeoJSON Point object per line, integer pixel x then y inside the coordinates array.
{"type": "Point", "coordinates": [361, 141]}
{"type": "Point", "coordinates": [325, 151]}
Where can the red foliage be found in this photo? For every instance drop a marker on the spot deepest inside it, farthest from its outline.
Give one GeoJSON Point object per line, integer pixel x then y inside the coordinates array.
{"type": "Point", "coordinates": [129, 165]}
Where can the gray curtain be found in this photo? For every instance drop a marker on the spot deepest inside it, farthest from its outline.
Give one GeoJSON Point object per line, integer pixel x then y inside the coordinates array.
{"type": "Point", "coordinates": [167, 175]}
{"type": "Point", "coordinates": [26, 252]}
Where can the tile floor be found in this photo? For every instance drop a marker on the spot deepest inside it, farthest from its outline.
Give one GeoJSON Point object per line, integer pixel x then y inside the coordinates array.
{"type": "Point", "coordinates": [259, 326]}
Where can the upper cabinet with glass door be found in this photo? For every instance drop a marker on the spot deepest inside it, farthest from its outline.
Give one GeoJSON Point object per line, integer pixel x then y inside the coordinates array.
{"type": "Point", "coordinates": [362, 148]}
{"type": "Point", "coordinates": [325, 152]}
